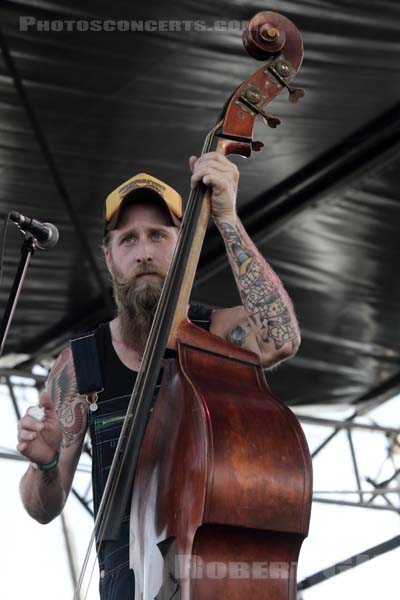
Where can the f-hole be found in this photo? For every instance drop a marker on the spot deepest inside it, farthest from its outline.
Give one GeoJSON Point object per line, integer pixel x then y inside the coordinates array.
{"type": "Point", "coordinates": [170, 589]}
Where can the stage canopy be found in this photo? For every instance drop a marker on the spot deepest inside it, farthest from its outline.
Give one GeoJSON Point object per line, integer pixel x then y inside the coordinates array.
{"type": "Point", "coordinates": [82, 111]}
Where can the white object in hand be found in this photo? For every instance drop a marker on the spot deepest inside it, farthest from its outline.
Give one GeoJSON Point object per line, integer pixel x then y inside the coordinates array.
{"type": "Point", "coordinates": [37, 412]}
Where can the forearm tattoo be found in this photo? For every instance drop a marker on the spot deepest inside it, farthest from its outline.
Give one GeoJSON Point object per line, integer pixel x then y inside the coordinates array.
{"type": "Point", "coordinates": [238, 336]}
{"type": "Point", "coordinates": [50, 476]}
{"type": "Point", "coordinates": [262, 293]}
{"type": "Point", "coordinates": [69, 405]}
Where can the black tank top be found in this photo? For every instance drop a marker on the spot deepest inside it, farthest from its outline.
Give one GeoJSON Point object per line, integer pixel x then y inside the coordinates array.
{"type": "Point", "coordinates": [118, 380]}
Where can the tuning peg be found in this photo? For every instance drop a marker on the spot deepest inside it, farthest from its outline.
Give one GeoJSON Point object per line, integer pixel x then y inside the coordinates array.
{"type": "Point", "coordinates": [281, 71]}
{"type": "Point", "coordinates": [295, 94]}
{"type": "Point", "coordinates": [257, 146]}
{"type": "Point", "coordinates": [267, 119]}
{"type": "Point", "coordinates": [270, 121]}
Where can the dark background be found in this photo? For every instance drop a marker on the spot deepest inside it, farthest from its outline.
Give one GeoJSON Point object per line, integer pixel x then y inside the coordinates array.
{"type": "Point", "coordinates": [321, 200]}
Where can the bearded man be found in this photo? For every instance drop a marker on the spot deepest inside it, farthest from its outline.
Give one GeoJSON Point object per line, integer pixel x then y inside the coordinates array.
{"type": "Point", "coordinates": [142, 226]}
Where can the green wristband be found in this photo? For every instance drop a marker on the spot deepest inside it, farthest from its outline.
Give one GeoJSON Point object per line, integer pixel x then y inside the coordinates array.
{"type": "Point", "coordinates": [48, 466]}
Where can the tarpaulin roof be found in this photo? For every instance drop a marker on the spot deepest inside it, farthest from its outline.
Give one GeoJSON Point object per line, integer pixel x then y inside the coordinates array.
{"type": "Point", "coordinates": [81, 111]}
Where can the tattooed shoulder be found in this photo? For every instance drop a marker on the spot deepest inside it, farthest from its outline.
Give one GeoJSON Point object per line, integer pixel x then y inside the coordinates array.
{"type": "Point", "coordinates": [69, 405]}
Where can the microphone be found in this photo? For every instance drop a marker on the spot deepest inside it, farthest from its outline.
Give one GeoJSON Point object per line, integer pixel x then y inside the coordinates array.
{"type": "Point", "coordinates": [45, 234]}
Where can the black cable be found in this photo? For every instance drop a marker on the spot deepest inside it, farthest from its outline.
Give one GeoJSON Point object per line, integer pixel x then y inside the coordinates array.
{"type": "Point", "coordinates": [2, 244]}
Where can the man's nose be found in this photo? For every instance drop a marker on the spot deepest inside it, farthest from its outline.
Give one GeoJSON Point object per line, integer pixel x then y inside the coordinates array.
{"type": "Point", "coordinates": [144, 253]}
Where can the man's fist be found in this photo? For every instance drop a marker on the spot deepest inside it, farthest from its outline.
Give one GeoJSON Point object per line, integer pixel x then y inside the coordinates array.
{"type": "Point", "coordinates": [222, 176]}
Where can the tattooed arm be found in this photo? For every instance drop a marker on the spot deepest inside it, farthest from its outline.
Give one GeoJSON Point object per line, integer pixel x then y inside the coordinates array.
{"type": "Point", "coordinates": [266, 323]}
{"type": "Point", "coordinates": [44, 493]}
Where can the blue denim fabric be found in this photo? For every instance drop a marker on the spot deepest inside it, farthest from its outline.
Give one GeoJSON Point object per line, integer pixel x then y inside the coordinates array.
{"type": "Point", "coordinates": [116, 579]}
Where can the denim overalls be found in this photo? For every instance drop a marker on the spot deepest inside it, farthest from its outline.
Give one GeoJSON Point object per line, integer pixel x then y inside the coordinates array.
{"type": "Point", "coordinates": [97, 368]}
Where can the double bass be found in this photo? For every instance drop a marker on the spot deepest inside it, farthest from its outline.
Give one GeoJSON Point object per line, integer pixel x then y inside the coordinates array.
{"type": "Point", "coordinates": [218, 471]}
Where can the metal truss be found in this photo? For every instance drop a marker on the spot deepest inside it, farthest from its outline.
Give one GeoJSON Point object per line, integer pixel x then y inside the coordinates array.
{"type": "Point", "coordinates": [382, 489]}
{"type": "Point", "coordinates": [366, 497]}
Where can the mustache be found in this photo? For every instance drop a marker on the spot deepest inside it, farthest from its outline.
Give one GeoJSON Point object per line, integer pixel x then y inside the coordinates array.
{"type": "Point", "coordinates": [145, 269]}
{"type": "Point", "coordinates": [131, 279]}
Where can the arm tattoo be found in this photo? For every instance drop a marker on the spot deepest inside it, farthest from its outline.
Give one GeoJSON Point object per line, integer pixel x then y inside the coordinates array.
{"type": "Point", "coordinates": [69, 406]}
{"type": "Point", "coordinates": [238, 336]}
{"type": "Point", "coordinates": [262, 293]}
{"type": "Point", "coordinates": [50, 476]}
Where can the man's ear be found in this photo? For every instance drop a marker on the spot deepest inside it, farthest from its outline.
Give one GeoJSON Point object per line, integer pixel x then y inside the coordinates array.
{"type": "Point", "coordinates": [107, 257]}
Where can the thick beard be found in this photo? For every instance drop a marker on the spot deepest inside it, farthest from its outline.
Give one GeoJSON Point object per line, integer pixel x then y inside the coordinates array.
{"type": "Point", "coordinates": [136, 305]}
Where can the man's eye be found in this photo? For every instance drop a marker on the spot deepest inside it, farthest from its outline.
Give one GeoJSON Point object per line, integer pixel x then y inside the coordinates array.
{"type": "Point", "coordinates": [158, 235]}
{"type": "Point", "coordinates": [128, 239]}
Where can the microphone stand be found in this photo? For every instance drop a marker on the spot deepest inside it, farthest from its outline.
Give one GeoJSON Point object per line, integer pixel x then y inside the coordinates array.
{"type": "Point", "coordinates": [27, 250]}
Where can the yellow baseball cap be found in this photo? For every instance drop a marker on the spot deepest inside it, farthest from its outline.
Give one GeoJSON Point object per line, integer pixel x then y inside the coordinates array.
{"type": "Point", "coordinates": [142, 181]}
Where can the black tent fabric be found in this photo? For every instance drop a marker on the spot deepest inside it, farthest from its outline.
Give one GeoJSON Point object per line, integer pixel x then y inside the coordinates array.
{"type": "Point", "coordinates": [81, 110]}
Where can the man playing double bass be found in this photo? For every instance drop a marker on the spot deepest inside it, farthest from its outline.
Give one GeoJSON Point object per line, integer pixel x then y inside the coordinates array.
{"type": "Point", "coordinates": [142, 226]}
